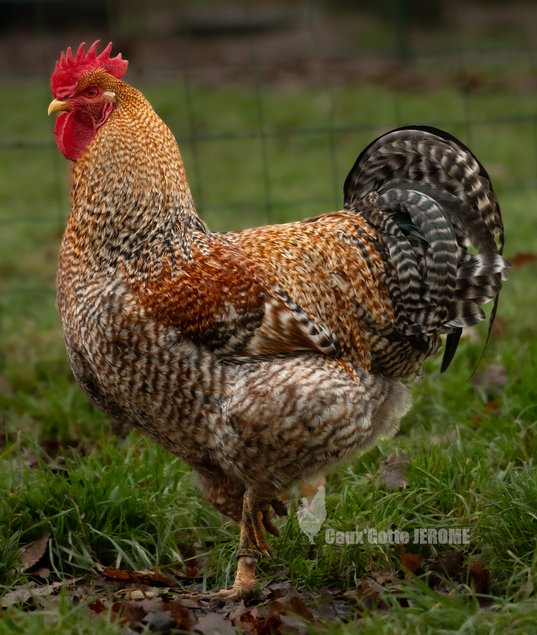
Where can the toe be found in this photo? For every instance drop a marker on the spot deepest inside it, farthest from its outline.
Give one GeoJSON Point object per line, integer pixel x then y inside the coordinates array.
{"type": "Point", "coordinates": [279, 507]}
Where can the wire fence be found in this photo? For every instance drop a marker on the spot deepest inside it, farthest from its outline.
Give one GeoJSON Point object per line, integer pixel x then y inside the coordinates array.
{"type": "Point", "coordinates": [313, 80]}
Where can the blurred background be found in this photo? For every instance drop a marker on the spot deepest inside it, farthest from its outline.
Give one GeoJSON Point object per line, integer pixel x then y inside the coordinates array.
{"type": "Point", "coordinates": [271, 102]}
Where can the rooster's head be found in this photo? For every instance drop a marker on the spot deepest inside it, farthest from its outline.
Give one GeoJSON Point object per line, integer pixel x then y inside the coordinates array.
{"type": "Point", "coordinates": [81, 87]}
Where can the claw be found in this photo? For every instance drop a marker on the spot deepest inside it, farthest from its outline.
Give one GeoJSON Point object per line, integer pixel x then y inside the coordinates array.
{"type": "Point", "coordinates": [268, 524]}
{"type": "Point", "coordinates": [245, 581]}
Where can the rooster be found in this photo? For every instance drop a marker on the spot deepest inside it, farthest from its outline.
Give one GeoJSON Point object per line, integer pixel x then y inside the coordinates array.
{"type": "Point", "coordinates": [263, 356]}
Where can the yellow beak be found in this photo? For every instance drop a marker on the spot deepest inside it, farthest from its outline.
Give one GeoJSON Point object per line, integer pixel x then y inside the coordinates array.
{"type": "Point", "coordinates": [57, 106]}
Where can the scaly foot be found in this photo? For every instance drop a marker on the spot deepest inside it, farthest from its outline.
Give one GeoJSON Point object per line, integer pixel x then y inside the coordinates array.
{"type": "Point", "coordinates": [245, 581]}
{"type": "Point", "coordinates": [256, 518]}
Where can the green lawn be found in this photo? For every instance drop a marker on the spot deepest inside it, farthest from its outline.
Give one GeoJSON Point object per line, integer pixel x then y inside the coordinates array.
{"type": "Point", "coordinates": [121, 501]}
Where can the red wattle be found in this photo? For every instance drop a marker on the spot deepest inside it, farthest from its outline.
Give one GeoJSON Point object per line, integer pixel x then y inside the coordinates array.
{"type": "Point", "coordinates": [73, 132]}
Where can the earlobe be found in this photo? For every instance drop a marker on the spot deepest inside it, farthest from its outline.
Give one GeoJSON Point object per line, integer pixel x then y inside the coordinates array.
{"type": "Point", "coordinates": [109, 96]}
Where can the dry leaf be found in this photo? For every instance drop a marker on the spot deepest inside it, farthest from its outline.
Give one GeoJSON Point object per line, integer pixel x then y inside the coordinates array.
{"type": "Point", "coordinates": [522, 259]}
{"type": "Point", "coordinates": [25, 592]}
{"type": "Point", "coordinates": [151, 577]}
{"type": "Point", "coordinates": [413, 562]}
{"type": "Point", "coordinates": [155, 612]}
{"type": "Point", "coordinates": [369, 594]}
{"type": "Point", "coordinates": [284, 611]}
{"type": "Point", "coordinates": [128, 612]}
{"type": "Point", "coordinates": [449, 565]}
{"type": "Point", "coordinates": [479, 576]}
{"type": "Point", "coordinates": [393, 471]}
{"type": "Point", "coordinates": [158, 620]}
{"type": "Point", "coordinates": [180, 613]}
{"type": "Point", "coordinates": [276, 589]}
{"type": "Point", "coordinates": [292, 604]}
{"type": "Point", "coordinates": [98, 606]}
{"type": "Point", "coordinates": [33, 552]}
{"type": "Point", "coordinates": [190, 603]}
{"type": "Point", "coordinates": [40, 572]}
{"type": "Point", "coordinates": [236, 613]}
{"type": "Point", "coordinates": [214, 624]}
{"type": "Point", "coordinates": [139, 593]}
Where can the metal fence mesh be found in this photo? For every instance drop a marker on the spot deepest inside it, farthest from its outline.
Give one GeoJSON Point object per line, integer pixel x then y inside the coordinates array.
{"type": "Point", "coordinates": [366, 67]}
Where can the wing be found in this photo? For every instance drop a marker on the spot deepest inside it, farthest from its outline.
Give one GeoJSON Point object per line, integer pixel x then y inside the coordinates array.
{"type": "Point", "coordinates": [331, 267]}
{"type": "Point", "coordinates": [223, 300]}
{"type": "Point", "coordinates": [315, 285]}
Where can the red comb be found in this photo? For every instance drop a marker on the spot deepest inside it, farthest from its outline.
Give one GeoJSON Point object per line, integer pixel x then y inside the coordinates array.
{"type": "Point", "coordinates": [70, 68]}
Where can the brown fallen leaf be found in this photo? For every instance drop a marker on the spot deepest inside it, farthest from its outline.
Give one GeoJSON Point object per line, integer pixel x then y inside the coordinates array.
{"type": "Point", "coordinates": [412, 562]}
{"type": "Point", "coordinates": [158, 620]}
{"type": "Point", "coordinates": [293, 624]}
{"type": "Point", "coordinates": [449, 565]}
{"type": "Point", "coordinates": [372, 591]}
{"type": "Point", "coordinates": [32, 553]}
{"type": "Point", "coordinates": [127, 613]}
{"type": "Point", "coordinates": [291, 604]}
{"type": "Point", "coordinates": [214, 623]}
{"type": "Point", "coordinates": [180, 613]}
{"type": "Point", "coordinates": [238, 611]}
{"type": "Point", "coordinates": [522, 259]}
{"type": "Point", "coordinates": [248, 622]}
{"type": "Point", "coordinates": [156, 613]}
{"type": "Point", "coordinates": [138, 592]}
{"type": "Point", "coordinates": [283, 611]}
{"type": "Point", "coordinates": [276, 589]}
{"type": "Point", "coordinates": [150, 577]}
{"type": "Point", "coordinates": [43, 573]}
{"type": "Point", "coordinates": [192, 573]}
{"type": "Point", "coordinates": [393, 471]}
{"type": "Point", "coordinates": [26, 592]}
{"type": "Point", "coordinates": [97, 606]}
{"type": "Point", "coordinates": [368, 595]}
{"type": "Point", "coordinates": [479, 576]}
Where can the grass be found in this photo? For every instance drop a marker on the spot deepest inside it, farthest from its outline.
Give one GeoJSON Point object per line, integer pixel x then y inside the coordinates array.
{"type": "Point", "coordinates": [124, 502]}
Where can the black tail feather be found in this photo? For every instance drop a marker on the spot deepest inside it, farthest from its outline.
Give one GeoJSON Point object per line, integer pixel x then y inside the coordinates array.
{"type": "Point", "coordinates": [452, 342]}
{"type": "Point", "coordinates": [433, 203]}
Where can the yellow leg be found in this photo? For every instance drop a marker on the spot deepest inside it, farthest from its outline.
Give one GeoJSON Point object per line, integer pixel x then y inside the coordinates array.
{"type": "Point", "coordinates": [245, 580]}
{"type": "Point", "coordinates": [256, 518]}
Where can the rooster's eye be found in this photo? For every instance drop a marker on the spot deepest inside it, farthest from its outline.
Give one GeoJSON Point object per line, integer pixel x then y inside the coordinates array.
{"type": "Point", "coordinates": [91, 92]}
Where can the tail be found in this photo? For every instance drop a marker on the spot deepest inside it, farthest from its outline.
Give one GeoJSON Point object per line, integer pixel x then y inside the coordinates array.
{"type": "Point", "coordinates": [434, 207]}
